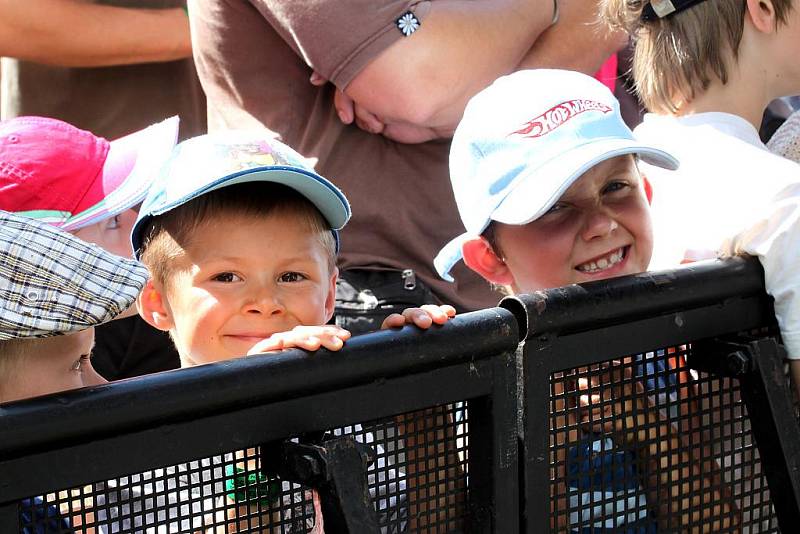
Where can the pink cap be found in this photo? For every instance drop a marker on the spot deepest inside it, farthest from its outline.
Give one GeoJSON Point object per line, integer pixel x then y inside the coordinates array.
{"type": "Point", "coordinates": [70, 178]}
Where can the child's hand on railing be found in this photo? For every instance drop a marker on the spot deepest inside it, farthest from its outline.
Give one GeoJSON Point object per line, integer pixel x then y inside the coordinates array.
{"type": "Point", "coordinates": [303, 337]}
{"type": "Point", "coordinates": [423, 317]}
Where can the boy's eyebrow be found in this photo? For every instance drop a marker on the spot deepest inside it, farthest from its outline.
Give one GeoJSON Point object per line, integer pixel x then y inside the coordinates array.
{"type": "Point", "coordinates": [285, 260]}
{"type": "Point", "coordinates": [301, 260]}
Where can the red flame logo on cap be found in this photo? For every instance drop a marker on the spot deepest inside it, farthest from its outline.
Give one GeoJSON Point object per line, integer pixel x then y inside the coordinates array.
{"type": "Point", "coordinates": [558, 115]}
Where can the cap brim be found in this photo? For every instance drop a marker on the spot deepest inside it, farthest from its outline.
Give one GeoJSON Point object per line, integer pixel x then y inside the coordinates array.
{"type": "Point", "coordinates": [547, 181]}
{"type": "Point", "coordinates": [450, 254]}
{"type": "Point", "coordinates": [319, 191]}
{"type": "Point", "coordinates": [132, 164]}
{"type": "Point", "coordinates": [325, 196]}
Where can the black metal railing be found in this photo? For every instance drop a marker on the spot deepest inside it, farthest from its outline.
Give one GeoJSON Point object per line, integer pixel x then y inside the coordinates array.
{"type": "Point", "coordinates": [210, 446]}
{"type": "Point", "coordinates": [630, 398]}
{"type": "Point", "coordinates": [638, 396]}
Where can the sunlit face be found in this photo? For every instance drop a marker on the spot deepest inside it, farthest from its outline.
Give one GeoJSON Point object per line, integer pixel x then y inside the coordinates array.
{"type": "Point", "coordinates": [112, 234]}
{"type": "Point", "coordinates": [599, 228]}
{"type": "Point", "coordinates": [56, 364]}
{"type": "Point", "coordinates": [242, 279]}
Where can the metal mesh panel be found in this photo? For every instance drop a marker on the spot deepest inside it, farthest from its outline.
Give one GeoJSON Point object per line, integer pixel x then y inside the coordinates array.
{"type": "Point", "coordinates": [418, 481]}
{"type": "Point", "coordinates": [644, 444]}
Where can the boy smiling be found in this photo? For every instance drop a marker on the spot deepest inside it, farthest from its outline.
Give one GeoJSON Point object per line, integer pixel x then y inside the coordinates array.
{"type": "Point", "coordinates": [225, 271]}
{"type": "Point", "coordinates": [241, 240]}
{"type": "Point", "coordinates": [599, 228]}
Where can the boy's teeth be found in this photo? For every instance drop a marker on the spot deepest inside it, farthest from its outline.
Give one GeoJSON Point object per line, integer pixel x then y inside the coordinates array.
{"type": "Point", "coordinates": [602, 263]}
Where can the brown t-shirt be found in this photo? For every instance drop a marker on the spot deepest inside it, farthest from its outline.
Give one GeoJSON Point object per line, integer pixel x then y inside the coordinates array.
{"type": "Point", "coordinates": [109, 101]}
{"type": "Point", "coordinates": [254, 59]}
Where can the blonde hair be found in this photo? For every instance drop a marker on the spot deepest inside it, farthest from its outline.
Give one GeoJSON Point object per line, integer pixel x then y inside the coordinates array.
{"type": "Point", "coordinates": [677, 57]}
{"type": "Point", "coordinates": [12, 352]}
{"type": "Point", "coordinates": [168, 235]}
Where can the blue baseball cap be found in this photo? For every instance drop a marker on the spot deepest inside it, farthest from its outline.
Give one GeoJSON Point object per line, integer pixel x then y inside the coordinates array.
{"type": "Point", "coordinates": [213, 161]}
{"type": "Point", "coordinates": [524, 140]}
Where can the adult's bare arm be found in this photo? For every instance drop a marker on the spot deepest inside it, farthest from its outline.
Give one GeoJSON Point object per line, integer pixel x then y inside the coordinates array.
{"type": "Point", "coordinates": [460, 47]}
{"type": "Point", "coordinates": [75, 33]}
{"type": "Point", "coordinates": [577, 42]}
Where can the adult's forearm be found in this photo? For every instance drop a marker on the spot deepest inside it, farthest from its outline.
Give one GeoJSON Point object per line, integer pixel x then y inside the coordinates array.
{"type": "Point", "coordinates": [460, 47]}
{"type": "Point", "coordinates": [578, 42]}
{"type": "Point", "coordinates": [74, 33]}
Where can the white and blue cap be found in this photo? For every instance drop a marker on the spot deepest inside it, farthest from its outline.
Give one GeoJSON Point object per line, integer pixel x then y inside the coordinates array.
{"type": "Point", "coordinates": [524, 140]}
{"type": "Point", "coordinates": [213, 161]}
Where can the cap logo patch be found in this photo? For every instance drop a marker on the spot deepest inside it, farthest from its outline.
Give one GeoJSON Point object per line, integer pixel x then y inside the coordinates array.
{"type": "Point", "coordinates": [558, 115]}
{"type": "Point", "coordinates": [248, 155]}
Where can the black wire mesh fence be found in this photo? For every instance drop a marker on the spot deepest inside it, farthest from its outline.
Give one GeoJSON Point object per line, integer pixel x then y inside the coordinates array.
{"type": "Point", "coordinates": [665, 406]}
{"type": "Point", "coordinates": [645, 444]}
{"type": "Point", "coordinates": [416, 477]}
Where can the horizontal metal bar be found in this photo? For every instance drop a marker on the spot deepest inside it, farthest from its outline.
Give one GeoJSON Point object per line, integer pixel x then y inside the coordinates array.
{"type": "Point", "coordinates": [103, 458]}
{"type": "Point", "coordinates": [595, 304]}
{"type": "Point", "coordinates": [182, 394]}
{"type": "Point", "coordinates": [647, 334]}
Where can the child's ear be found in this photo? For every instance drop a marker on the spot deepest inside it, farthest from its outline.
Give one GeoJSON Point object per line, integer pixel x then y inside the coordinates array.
{"type": "Point", "coordinates": [762, 15]}
{"type": "Point", "coordinates": [648, 189]}
{"type": "Point", "coordinates": [330, 301]}
{"type": "Point", "coordinates": [153, 308]}
{"type": "Point", "coordinates": [481, 258]}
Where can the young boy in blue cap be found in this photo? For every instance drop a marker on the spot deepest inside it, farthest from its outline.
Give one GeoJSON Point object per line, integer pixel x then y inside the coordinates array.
{"type": "Point", "coordinates": [546, 180]}
{"type": "Point", "coordinates": [240, 236]}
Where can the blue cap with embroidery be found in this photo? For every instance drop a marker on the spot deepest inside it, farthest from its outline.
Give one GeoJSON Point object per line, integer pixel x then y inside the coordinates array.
{"type": "Point", "coordinates": [213, 161]}
{"type": "Point", "coordinates": [524, 140]}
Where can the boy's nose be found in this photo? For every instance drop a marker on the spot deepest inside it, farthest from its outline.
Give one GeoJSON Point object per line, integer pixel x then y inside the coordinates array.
{"type": "Point", "coordinates": [599, 223]}
{"type": "Point", "coordinates": [263, 302]}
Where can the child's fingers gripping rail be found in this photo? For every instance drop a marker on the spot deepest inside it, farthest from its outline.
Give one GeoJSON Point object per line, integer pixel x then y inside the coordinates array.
{"type": "Point", "coordinates": [422, 317]}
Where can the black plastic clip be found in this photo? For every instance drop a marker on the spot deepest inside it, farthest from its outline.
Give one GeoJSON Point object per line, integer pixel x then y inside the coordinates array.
{"type": "Point", "coordinates": [722, 357]}
{"type": "Point", "coordinates": [337, 469]}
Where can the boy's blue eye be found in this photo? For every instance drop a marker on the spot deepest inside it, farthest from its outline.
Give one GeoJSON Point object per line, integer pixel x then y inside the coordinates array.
{"type": "Point", "coordinates": [226, 277]}
{"type": "Point", "coordinates": [292, 277]}
{"type": "Point", "coordinates": [113, 223]}
{"type": "Point", "coordinates": [615, 186]}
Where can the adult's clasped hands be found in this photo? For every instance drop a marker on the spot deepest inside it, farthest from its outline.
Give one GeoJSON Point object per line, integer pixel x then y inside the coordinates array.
{"type": "Point", "coordinates": [349, 112]}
